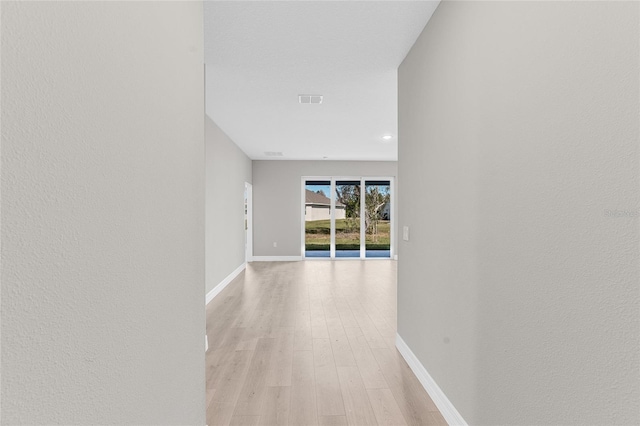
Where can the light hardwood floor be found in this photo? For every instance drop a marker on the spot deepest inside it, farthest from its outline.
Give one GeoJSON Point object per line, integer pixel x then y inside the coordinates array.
{"type": "Point", "coordinates": [311, 343]}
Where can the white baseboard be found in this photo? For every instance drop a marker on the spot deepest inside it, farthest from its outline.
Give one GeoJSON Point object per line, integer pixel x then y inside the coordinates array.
{"type": "Point", "coordinates": [448, 411]}
{"type": "Point", "coordinates": [217, 289]}
{"type": "Point", "coordinates": [277, 258]}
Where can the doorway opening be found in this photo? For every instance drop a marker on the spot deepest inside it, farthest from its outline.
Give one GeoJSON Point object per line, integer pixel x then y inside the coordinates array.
{"type": "Point", "coordinates": [347, 217]}
{"type": "Point", "coordinates": [248, 222]}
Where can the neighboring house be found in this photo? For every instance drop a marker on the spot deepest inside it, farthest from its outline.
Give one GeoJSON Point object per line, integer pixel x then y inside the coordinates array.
{"type": "Point", "coordinates": [385, 212]}
{"type": "Point", "coordinates": [318, 207]}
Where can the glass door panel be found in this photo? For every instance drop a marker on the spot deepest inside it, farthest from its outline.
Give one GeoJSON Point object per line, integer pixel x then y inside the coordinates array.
{"type": "Point", "coordinates": [347, 213]}
{"type": "Point", "coordinates": [377, 218]}
{"type": "Point", "coordinates": [317, 219]}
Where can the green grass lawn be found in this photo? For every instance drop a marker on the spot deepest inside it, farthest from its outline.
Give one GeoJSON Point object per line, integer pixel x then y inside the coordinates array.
{"type": "Point", "coordinates": [318, 236]}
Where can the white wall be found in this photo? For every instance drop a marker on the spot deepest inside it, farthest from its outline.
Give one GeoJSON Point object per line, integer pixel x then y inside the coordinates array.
{"type": "Point", "coordinates": [277, 198]}
{"type": "Point", "coordinates": [102, 213]}
{"type": "Point", "coordinates": [518, 131]}
{"type": "Point", "coordinates": [228, 168]}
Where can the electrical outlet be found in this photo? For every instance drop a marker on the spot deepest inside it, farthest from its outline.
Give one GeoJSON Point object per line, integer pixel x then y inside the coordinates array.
{"type": "Point", "coordinates": [405, 233]}
{"type": "Point", "coordinates": [275, 244]}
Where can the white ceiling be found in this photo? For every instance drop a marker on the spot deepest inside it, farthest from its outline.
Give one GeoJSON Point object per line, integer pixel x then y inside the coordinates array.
{"type": "Point", "coordinates": [261, 55]}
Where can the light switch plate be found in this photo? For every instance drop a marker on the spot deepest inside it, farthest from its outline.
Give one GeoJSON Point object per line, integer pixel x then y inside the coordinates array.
{"type": "Point", "coordinates": [405, 233]}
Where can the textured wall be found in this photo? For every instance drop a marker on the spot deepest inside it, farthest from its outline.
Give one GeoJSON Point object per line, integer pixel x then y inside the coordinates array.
{"type": "Point", "coordinates": [102, 213]}
{"type": "Point", "coordinates": [519, 289]}
{"type": "Point", "coordinates": [228, 168]}
{"type": "Point", "coordinates": [277, 202]}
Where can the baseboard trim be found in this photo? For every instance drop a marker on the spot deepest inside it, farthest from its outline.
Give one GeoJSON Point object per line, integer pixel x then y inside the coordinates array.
{"type": "Point", "coordinates": [448, 411]}
{"type": "Point", "coordinates": [277, 258]}
{"type": "Point", "coordinates": [217, 289]}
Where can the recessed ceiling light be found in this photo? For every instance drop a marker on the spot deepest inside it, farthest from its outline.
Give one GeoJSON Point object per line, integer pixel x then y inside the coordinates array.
{"type": "Point", "coordinates": [387, 137]}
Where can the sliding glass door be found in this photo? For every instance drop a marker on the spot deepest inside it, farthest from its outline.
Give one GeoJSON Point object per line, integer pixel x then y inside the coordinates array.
{"type": "Point", "coordinates": [377, 218]}
{"type": "Point", "coordinates": [347, 217]}
{"type": "Point", "coordinates": [317, 218]}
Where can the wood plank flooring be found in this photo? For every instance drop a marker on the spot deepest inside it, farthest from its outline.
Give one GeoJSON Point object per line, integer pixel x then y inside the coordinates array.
{"type": "Point", "coordinates": [311, 343]}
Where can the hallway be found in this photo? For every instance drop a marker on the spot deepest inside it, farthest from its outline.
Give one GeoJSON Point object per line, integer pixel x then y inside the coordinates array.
{"type": "Point", "coordinates": [311, 343]}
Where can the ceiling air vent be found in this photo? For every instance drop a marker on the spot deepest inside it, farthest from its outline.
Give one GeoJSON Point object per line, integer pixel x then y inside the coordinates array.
{"type": "Point", "coordinates": [273, 153]}
{"type": "Point", "coordinates": [310, 99]}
